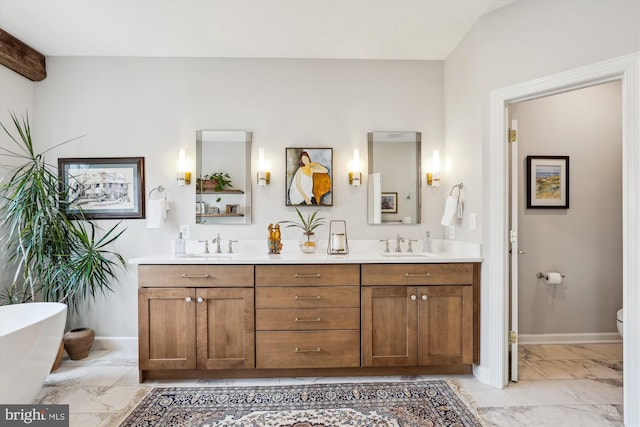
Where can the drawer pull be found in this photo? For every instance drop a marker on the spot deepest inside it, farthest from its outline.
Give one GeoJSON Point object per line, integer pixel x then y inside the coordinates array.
{"type": "Point", "coordinates": [307, 276]}
{"type": "Point", "coordinates": [297, 298]}
{"type": "Point", "coordinates": [317, 319]}
{"type": "Point", "coordinates": [413, 298]}
{"type": "Point", "coordinates": [195, 276]}
{"type": "Point", "coordinates": [187, 299]}
{"type": "Point", "coordinates": [200, 299]}
{"type": "Point", "coordinates": [424, 297]}
{"type": "Point", "coordinates": [301, 350]}
{"type": "Point", "coordinates": [417, 274]}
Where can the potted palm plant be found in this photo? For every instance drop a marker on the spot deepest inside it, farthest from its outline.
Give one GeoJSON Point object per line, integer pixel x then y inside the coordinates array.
{"type": "Point", "coordinates": [308, 241]}
{"type": "Point", "coordinates": [56, 257]}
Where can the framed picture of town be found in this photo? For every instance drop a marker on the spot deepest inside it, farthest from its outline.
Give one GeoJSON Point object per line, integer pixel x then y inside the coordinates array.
{"type": "Point", "coordinates": [103, 188]}
{"type": "Point", "coordinates": [548, 182]}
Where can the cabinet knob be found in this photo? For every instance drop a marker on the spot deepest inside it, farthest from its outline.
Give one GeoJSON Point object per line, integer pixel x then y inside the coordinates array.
{"type": "Point", "coordinates": [188, 299]}
{"type": "Point", "coordinates": [413, 298]}
{"type": "Point", "coordinates": [424, 297]}
{"type": "Point", "coordinates": [200, 299]}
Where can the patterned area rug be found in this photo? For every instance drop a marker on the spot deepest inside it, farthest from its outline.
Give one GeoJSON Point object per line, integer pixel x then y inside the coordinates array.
{"type": "Point", "coordinates": [423, 403]}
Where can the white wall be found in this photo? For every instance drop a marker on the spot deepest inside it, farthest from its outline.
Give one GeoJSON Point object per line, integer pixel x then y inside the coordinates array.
{"type": "Point", "coordinates": [153, 107]}
{"type": "Point", "coordinates": [583, 242]}
{"type": "Point", "coordinates": [523, 41]}
{"type": "Point", "coordinates": [16, 95]}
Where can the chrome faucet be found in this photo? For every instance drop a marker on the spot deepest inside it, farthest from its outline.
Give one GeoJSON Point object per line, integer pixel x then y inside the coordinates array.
{"type": "Point", "coordinates": [217, 242]}
{"type": "Point", "coordinates": [206, 246]}
{"type": "Point", "coordinates": [398, 241]}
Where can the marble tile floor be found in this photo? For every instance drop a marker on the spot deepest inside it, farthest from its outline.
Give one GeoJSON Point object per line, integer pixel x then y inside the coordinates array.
{"type": "Point", "coordinates": [560, 385]}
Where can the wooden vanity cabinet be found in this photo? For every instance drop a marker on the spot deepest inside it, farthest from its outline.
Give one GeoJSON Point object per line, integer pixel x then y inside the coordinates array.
{"type": "Point", "coordinates": [418, 314]}
{"type": "Point", "coordinates": [218, 320]}
{"type": "Point", "coordinates": [307, 316]}
{"type": "Point", "coordinates": [195, 317]}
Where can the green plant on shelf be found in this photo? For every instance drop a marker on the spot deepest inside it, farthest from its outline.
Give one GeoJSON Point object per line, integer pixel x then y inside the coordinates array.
{"type": "Point", "coordinates": [221, 180]}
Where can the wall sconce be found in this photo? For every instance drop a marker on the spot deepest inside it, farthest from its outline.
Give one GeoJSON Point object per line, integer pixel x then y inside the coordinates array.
{"type": "Point", "coordinates": [355, 175]}
{"type": "Point", "coordinates": [184, 176]}
{"type": "Point", "coordinates": [433, 177]}
{"type": "Point", "coordinates": [263, 176]}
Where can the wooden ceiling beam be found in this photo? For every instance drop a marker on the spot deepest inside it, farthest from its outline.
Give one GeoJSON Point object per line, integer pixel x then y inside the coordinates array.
{"type": "Point", "coordinates": [21, 58]}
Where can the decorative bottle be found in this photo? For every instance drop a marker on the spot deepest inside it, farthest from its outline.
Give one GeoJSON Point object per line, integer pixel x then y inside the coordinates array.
{"type": "Point", "coordinates": [180, 246]}
{"type": "Point", "coordinates": [426, 247]}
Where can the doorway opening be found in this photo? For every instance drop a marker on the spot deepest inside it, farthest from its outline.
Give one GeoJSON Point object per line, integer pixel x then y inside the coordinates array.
{"type": "Point", "coordinates": [495, 247]}
{"type": "Point", "coordinates": [570, 324]}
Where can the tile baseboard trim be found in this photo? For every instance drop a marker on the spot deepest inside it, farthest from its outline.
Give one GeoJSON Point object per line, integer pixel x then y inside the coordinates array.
{"type": "Point", "coordinates": [115, 343]}
{"type": "Point", "coordinates": [578, 338]}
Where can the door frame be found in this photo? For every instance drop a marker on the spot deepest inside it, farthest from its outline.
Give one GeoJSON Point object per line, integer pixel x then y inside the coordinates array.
{"type": "Point", "coordinates": [627, 70]}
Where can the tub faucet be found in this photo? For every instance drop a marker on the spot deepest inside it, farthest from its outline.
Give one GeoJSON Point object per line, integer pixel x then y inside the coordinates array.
{"type": "Point", "coordinates": [217, 242]}
{"type": "Point", "coordinates": [398, 241]}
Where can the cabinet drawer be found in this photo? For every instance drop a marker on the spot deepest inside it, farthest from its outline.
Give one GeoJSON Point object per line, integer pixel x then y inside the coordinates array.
{"type": "Point", "coordinates": [417, 274]}
{"type": "Point", "coordinates": [308, 297]}
{"type": "Point", "coordinates": [307, 275]}
{"type": "Point", "coordinates": [195, 275]}
{"type": "Point", "coordinates": [274, 319]}
{"type": "Point", "coordinates": [308, 349]}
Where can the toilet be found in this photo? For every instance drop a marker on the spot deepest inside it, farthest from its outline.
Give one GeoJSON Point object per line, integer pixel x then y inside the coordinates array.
{"type": "Point", "coordinates": [619, 321]}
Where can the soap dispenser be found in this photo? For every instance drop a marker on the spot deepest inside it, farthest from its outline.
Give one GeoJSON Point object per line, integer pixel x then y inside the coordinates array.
{"type": "Point", "coordinates": [180, 246]}
{"type": "Point", "coordinates": [426, 247]}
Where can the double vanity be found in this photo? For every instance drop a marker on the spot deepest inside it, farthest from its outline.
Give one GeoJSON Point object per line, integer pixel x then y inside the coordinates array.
{"type": "Point", "coordinates": [252, 314]}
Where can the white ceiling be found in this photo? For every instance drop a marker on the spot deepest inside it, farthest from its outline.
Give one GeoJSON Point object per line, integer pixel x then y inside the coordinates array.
{"type": "Point", "coordinates": [363, 29]}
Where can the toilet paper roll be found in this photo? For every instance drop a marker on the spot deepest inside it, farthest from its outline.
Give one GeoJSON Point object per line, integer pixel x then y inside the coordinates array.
{"type": "Point", "coordinates": [552, 278]}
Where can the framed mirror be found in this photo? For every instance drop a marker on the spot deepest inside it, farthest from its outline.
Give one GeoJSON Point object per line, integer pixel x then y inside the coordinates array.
{"type": "Point", "coordinates": [223, 184]}
{"type": "Point", "coordinates": [394, 185]}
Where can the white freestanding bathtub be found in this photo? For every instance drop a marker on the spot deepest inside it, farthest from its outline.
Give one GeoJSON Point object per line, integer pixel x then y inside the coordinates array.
{"type": "Point", "coordinates": [30, 336]}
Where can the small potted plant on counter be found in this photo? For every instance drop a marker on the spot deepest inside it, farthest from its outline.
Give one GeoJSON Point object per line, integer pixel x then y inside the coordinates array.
{"type": "Point", "coordinates": [308, 242]}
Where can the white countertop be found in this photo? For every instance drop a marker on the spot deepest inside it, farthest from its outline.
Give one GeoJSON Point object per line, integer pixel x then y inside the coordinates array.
{"type": "Point", "coordinates": [360, 252]}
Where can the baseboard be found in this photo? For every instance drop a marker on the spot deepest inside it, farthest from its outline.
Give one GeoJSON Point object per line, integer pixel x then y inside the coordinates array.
{"type": "Point", "coordinates": [482, 374]}
{"type": "Point", "coordinates": [115, 343]}
{"type": "Point", "coordinates": [581, 338]}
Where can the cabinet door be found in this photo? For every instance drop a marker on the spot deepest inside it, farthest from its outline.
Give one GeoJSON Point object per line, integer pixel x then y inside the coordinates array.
{"type": "Point", "coordinates": [167, 328]}
{"type": "Point", "coordinates": [389, 322]}
{"type": "Point", "coordinates": [226, 328]}
{"type": "Point", "coordinates": [445, 325]}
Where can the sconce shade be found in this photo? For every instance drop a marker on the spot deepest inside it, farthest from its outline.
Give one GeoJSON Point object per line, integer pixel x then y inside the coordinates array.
{"type": "Point", "coordinates": [355, 178]}
{"type": "Point", "coordinates": [264, 177]}
{"type": "Point", "coordinates": [433, 177]}
{"type": "Point", "coordinates": [184, 176]}
{"type": "Point", "coordinates": [355, 175]}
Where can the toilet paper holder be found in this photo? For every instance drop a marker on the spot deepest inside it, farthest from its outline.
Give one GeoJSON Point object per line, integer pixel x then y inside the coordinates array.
{"type": "Point", "coordinates": [544, 276]}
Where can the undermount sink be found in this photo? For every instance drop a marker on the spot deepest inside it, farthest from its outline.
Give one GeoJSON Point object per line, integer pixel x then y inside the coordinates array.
{"type": "Point", "coordinates": [406, 254]}
{"type": "Point", "coordinates": [210, 255]}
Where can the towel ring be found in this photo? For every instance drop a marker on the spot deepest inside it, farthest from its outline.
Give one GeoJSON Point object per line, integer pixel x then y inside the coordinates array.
{"type": "Point", "coordinates": [160, 190]}
{"type": "Point", "coordinates": [459, 187]}
{"type": "Point", "coordinates": [459, 207]}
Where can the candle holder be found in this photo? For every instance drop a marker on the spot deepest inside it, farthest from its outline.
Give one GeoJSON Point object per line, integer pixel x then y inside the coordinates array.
{"type": "Point", "coordinates": [338, 243]}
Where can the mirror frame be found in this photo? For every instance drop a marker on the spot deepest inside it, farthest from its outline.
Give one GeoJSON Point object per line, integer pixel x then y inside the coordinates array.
{"type": "Point", "coordinates": [244, 188]}
{"type": "Point", "coordinates": [391, 136]}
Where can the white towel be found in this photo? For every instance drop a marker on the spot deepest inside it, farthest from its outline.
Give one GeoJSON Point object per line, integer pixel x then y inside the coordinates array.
{"type": "Point", "coordinates": [156, 212]}
{"type": "Point", "coordinates": [450, 211]}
